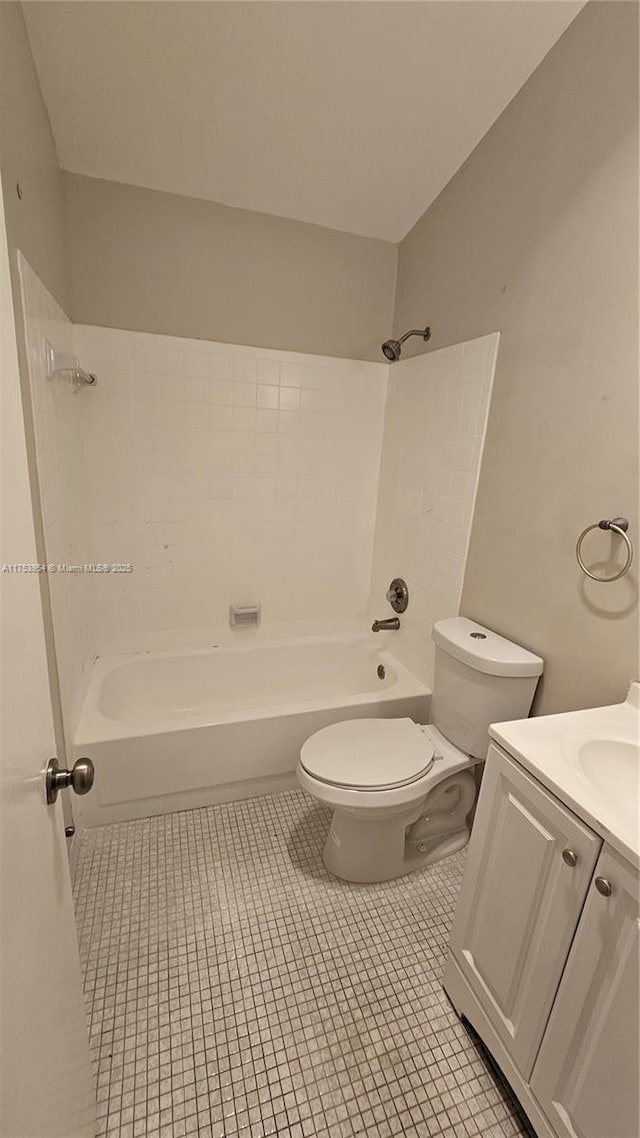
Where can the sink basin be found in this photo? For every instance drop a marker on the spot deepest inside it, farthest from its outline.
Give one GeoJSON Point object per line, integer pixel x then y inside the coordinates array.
{"type": "Point", "coordinates": [613, 768]}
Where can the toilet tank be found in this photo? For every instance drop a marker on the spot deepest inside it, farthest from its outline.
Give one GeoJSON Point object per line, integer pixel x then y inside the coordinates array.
{"type": "Point", "coordinates": [479, 678]}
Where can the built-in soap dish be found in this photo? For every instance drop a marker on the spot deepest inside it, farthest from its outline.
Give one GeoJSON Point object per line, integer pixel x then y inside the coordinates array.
{"type": "Point", "coordinates": [244, 616]}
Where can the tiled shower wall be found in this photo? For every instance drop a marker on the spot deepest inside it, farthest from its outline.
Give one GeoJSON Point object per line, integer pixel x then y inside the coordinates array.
{"type": "Point", "coordinates": [436, 416]}
{"type": "Point", "coordinates": [231, 474]}
{"type": "Point", "coordinates": [227, 475]}
{"type": "Point", "coordinates": [63, 459]}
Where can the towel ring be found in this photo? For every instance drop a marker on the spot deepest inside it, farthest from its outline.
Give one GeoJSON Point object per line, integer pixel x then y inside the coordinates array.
{"type": "Point", "coordinates": [619, 526]}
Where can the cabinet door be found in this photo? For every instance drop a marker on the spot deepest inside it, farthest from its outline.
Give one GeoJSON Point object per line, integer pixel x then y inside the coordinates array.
{"type": "Point", "coordinates": [520, 902]}
{"type": "Point", "coordinates": [586, 1074]}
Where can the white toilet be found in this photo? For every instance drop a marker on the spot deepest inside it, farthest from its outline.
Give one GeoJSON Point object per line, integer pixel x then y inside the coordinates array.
{"type": "Point", "coordinates": [401, 792]}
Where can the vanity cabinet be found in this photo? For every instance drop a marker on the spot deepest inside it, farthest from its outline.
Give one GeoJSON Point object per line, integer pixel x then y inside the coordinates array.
{"type": "Point", "coordinates": [544, 959]}
{"type": "Point", "coordinates": [586, 1074]}
{"type": "Point", "coordinates": [529, 867]}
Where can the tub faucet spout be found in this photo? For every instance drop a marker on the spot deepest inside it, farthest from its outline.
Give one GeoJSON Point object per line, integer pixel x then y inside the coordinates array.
{"type": "Point", "coordinates": [392, 623]}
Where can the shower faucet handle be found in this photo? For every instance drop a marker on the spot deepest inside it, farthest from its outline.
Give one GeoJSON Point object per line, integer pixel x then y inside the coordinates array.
{"type": "Point", "coordinates": [398, 595]}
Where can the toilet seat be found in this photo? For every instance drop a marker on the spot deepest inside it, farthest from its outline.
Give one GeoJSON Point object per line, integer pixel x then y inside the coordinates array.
{"type": "Point", "coordinates": [369, 754]}
{"type": "Point", "coordinates": [446, 760]}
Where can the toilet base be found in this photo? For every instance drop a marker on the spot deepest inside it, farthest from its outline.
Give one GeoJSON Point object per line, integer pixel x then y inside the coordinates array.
{"type": "Point", "coordinates": [368, 846]}
{"type": "Point", "coordinates": [444, 846]}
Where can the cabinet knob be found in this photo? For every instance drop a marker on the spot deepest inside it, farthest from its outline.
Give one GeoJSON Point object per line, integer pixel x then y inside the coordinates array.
{"type": "Point", "coordinates": [603, 886]}
{"type": "Point", "coordinates": [570, 857]}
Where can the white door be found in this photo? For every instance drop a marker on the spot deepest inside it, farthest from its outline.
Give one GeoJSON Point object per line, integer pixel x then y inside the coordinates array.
{"type": "Point", "coordinates": [520, 902]}
{"type": "Point", "coordinates": [46, 1086]}
{"type": "Point", "coordinates": [586, 1075]}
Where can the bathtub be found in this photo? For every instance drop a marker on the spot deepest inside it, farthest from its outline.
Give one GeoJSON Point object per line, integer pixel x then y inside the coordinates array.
{"type": "Point", "coordinates": [176, 730]}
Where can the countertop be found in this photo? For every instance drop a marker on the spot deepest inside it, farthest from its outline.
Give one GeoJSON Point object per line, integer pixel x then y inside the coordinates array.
{"type": "Point", "coordinates": [549, 747]}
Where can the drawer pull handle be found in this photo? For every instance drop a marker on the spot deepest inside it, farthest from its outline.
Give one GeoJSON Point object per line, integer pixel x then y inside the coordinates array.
{"type": "Point", "coordinates": [570, 858]}
{"type": "Point", "coordinates": [603, 886]}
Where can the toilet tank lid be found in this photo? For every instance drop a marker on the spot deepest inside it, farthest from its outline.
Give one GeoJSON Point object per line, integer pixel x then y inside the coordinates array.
{"type": "Point", "coordinates": [483, 649]}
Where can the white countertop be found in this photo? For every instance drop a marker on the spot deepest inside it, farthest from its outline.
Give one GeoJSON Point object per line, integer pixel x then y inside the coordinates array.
{"type": "Point", "coordinates": [552, 748]}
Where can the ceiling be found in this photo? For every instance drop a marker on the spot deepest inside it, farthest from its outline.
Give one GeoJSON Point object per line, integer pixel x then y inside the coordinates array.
{"type": "Point", "coordinates": [352, 115]}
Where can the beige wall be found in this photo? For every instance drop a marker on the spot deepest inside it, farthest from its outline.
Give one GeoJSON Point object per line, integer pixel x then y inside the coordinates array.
{"type": "Point", "coordinates": [157, 262]}
{"type": "Point", "coordinates": [537, 236]}
{"type": "Point", "coordinates": [35, 223]}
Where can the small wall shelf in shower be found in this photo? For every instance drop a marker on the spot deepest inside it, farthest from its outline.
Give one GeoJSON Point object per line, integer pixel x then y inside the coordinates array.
{"type": "Point", "coordinates": [61, 365]}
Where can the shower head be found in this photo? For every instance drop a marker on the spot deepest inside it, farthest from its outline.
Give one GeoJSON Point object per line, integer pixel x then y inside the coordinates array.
{"type": "Point", "coordinates": [392, 349]}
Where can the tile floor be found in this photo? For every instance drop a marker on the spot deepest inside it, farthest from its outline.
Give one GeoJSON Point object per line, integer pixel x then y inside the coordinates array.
{"type": "Point", "coordinates": [234, 989]}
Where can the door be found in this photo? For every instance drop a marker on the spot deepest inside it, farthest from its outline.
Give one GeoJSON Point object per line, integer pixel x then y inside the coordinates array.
{"type": "Point", "coordinates": [45, 1073]}
{"type": "Point", "coordinates": [529, 866]}
{"type": "Point", "coordinates": [591, 1044]}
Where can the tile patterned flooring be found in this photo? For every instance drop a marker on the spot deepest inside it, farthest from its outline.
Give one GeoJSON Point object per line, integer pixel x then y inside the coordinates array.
{"type": "Point", "coordinates": [234, 988]}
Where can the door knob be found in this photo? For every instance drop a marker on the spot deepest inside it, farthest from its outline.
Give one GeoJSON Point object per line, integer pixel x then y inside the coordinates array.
{"type": "Point", "coordinates": [603, 886]}
{"type": "Point", "coordinates": [570, 858]}
{"type": "Point", "coordinates": [79, 778]}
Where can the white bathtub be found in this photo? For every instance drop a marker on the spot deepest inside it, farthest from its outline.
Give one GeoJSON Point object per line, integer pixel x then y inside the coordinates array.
{"type": "Point", "coordinates": [171, 731]}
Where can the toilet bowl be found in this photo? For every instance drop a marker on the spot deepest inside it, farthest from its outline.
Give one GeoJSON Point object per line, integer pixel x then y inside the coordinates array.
{"type": "Point", "coordinates": [400, 794]}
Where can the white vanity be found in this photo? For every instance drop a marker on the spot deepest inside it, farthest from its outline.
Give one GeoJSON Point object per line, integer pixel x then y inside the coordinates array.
{"type": "Point", "coordinates": [544, 957]}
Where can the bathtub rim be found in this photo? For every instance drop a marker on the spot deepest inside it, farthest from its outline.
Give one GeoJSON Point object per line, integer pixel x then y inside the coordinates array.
{"type": "Point", "coordinates": [95, 727]}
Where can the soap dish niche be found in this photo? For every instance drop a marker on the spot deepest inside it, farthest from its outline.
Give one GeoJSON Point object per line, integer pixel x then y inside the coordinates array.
{"type": "Point", "coordinates": [245, 616]}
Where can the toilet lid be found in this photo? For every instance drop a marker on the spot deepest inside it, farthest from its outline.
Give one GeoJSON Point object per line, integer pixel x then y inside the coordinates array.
{"type": "Point", "coordinates": [368, 754]}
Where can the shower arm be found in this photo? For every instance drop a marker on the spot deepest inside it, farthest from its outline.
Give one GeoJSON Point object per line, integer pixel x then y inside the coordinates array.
{"type": "Point", "coordinates": [392, 349]}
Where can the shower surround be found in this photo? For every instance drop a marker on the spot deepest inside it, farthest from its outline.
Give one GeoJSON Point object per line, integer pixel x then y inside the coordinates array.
{"type": "Point", "coordinates": [227, 474]}
{"type": "Point", "coordinates": [435, 424]}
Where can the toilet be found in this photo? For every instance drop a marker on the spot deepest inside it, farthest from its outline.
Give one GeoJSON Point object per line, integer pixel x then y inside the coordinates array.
{"type": "Point", "coordinates": [401, 792]}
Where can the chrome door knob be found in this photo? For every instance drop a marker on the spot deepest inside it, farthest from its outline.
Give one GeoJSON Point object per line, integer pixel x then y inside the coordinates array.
{"type": "Point", "coordinates": [79, 778]}
{"type": "Point", "coordinates": [603, 886]}
{"type": "Point", "coordinates": [570, 858]}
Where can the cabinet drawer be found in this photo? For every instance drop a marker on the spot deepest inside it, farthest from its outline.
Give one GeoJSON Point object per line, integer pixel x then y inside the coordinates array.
{"type": "Point", "coordinates": [529, 867]}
